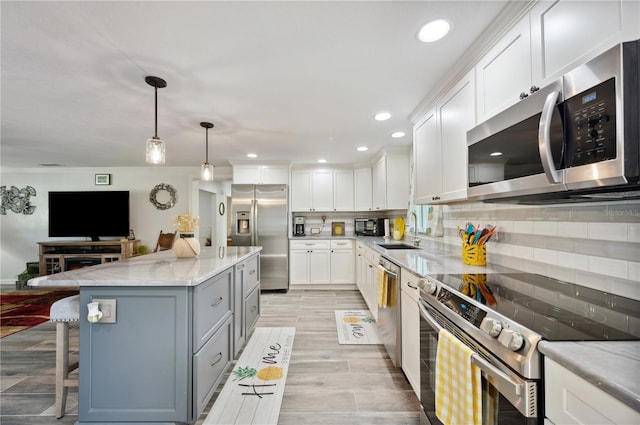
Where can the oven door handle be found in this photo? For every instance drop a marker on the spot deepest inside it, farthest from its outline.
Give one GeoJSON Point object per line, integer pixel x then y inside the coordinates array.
{"type": "Point", "coordinates": [500, 379]}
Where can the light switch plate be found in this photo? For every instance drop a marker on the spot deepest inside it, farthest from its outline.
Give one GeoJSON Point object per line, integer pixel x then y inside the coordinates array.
{"type": "Point", "coordinates": [108, 308]}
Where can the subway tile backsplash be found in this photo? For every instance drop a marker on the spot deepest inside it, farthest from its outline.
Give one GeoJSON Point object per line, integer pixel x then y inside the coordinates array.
{"type": "Point", "coordinates": [596, 245]}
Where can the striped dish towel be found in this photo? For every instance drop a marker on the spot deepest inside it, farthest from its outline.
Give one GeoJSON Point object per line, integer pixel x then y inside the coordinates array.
{"type": "Point", "coordinates": [458, 383]}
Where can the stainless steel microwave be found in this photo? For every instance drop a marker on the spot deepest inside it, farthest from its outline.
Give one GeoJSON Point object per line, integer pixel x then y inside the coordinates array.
{"type": "Point", "coordinates": [576, 139]}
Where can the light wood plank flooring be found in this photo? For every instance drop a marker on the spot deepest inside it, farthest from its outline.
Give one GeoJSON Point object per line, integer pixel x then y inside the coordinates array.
{"type": "Point", "coordinates": [327, 383]}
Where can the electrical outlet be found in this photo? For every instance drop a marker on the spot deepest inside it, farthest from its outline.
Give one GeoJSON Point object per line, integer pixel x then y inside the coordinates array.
{"type": "Point", "coordinates": [108, 308]}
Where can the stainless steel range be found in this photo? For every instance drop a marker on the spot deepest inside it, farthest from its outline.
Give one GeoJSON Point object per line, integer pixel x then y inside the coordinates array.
{"type": "Point", "coordinates": [502, 317]}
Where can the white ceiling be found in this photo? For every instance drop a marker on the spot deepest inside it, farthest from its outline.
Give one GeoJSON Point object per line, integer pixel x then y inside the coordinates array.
{"type": "Point", "coordinates": [291, 80]}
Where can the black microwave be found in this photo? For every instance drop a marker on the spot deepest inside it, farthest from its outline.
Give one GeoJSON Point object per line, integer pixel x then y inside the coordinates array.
{"type": "Point", "coordinates": [576, 139]}
{"type": "Point", "coordinates": [368, 226]}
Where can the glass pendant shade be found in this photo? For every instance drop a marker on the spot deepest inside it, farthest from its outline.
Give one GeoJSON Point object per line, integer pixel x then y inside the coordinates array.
{"type": "Point", "coordinates": [155, 151]}
{"type": "Point", "coordinates": [206, 172]}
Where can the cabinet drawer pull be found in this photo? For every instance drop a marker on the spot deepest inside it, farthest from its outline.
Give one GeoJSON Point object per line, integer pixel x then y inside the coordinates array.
{"type": "Point", "coordinates": [216, 302]}
{"type": "Point", "coordinates": [254, 308]}
{"type": "Point", "coordinates": [252, 271]}
{"type": "Point", "coordinates": [240, 267]}
{"type": "Point", "coordinates": [411, 286]}
{"type": "Point", "coordinates": [217, 360]}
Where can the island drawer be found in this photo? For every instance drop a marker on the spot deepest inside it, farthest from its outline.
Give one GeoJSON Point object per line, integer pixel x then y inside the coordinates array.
{"type": "Point", "coordinates": [251, 274]}
{"type": "Point", "coordinates": [210, 363]}
{"type": "Point", "coordinates": [213, 300]}
{"type": "Point", "coordinates": [252, 306]}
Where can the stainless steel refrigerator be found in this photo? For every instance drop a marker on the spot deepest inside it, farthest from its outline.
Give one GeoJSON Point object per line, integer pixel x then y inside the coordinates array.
{"type": "Point", "coordinates": [260, 218]}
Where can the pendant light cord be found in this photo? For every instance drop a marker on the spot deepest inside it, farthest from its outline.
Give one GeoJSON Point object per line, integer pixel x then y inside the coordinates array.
{"type": "Point", "coordinates": [207, 147]}
{"type": "Point", "coordinates": [156, 134]}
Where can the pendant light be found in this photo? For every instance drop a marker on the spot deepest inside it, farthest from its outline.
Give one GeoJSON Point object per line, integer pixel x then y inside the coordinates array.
{"type": "Point", "coordinates": [206, 169]}
{"type": "Point", "coordinates": [155, 146]}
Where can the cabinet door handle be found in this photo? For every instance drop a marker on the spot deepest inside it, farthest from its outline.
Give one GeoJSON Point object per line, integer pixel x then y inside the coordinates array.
{"type": "Point", "coordinates": [411, 286]}
{"type": "Point", "coordinates": [254, 308]}
{"type": "Point", "coordinates": [217, 360]}
{"type": "Point", "coordinates": [240, 267]}
{"type": "Point", "coordinates": [253, 271]}
{"type": "Point", "coordinates": [216, 302]}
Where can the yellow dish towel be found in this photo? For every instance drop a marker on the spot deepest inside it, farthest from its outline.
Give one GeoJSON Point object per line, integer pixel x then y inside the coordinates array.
{"type": "Point", "coordinates": [458, 383]}
{"type": "Point", "coordinates": [382, 284]}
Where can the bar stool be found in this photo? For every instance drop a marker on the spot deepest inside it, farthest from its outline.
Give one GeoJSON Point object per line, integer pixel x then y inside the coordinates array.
{"type": "Point", "coordinates": [62, 312]}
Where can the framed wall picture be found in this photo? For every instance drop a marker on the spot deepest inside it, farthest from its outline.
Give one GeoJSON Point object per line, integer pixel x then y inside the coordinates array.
{"type": "Point", "coordinates": [103, 179]}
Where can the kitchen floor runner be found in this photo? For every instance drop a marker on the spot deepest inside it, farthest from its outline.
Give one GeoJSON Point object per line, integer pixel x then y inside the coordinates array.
{"type": "Point", "coordinates": [253, 393]}
{"type": "Point", "coordinates": [356, 327]}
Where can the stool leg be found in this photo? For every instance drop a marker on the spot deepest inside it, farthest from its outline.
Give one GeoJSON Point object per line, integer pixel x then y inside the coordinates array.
{"type": "Point", "coordinates": [62, 366]}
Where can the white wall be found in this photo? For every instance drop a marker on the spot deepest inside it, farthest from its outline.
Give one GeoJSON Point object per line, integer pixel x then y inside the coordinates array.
{"type": "Point", "coordinates": [20, 233]}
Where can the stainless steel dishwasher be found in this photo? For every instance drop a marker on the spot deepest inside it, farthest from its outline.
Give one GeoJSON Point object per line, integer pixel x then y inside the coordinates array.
{"type": "Point", "coordinates": [389, 325]}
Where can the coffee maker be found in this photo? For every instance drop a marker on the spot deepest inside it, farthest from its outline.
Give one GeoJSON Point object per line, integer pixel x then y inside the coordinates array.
{"type": "Point", "coordinates": [298, 226]}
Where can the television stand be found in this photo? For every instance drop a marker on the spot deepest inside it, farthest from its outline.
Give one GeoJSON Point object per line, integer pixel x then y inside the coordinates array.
{"type": "Point", "coordinates": [61, 256]}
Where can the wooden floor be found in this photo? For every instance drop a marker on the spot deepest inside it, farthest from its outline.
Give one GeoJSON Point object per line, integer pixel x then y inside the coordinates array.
{"type": "Point", "coordinates": [327, 383]}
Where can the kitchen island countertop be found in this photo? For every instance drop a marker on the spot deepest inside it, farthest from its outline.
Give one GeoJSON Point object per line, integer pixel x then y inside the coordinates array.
{"type": "Point", "coordinates": [157, 269]}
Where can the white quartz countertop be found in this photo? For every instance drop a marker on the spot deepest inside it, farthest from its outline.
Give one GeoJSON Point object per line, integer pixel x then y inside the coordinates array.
{"type": "Point", "coordinates": [157, 269]}
{"type": "Point", "coordinates": [430, 258]}
{"type": "Point", "coordinates": [613, 366]}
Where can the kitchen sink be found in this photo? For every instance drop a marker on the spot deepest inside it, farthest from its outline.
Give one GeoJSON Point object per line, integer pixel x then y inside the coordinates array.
{"type": "Point", "coordinates": [396, 246]}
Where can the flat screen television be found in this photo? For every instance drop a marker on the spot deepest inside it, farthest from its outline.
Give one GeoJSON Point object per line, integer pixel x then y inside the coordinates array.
{"type": "Point", "coordinates": [91, 214]}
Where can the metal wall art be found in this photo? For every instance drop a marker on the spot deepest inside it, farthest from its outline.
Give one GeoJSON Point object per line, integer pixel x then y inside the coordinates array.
{"type": "Point", "coordinates": [17, 200]}
{"type": "Point", "coordinates": [173, 196]}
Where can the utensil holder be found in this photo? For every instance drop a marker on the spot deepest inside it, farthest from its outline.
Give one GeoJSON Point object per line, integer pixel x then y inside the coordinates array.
{"type": "Point", "coordinates": [474, 255]}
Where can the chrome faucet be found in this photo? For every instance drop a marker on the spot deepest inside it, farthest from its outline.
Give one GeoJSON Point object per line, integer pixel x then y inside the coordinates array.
{"type": "Point", "coordinates": [416, 240]}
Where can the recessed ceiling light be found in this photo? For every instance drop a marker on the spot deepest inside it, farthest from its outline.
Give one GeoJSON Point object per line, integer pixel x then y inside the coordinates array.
{"type": "Point", "coordinates": [382, 116]}
{"type": "Point", "coordinates": [495, 154]}
{"type": "Point", "coordinates": [434, 30]}
{"type": "Point", "coordinates": [397, 134]}
{"type": "Point", "coordinates": [322, 161]}
{"type": "Point", "coordinates": [252, 155]}
{"type": "Point", "coordinates": [363, 149]}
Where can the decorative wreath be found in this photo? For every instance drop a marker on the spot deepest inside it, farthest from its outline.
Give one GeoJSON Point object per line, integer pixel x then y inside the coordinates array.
{"type": "Point", "coordinates": [173, 195]}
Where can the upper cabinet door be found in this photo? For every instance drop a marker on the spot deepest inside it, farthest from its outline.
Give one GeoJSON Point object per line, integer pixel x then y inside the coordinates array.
{"type": "Point", "coordinates": [362, 185]}
{"type": "Point", "coordinates": [379, 184]}
{"type": "Point", "coordinates": [301, 191]}
{"type": "Point", "coordinates": [565, 34]}
{"type": "Point", "coordinates": [457, 115]}
{"type": "Point", "coordinates": [343, 196]}
{"type": "Point", "coordinates": [427, 160]}
{"type": "Point", "coordinates": [505, 72]}
{"type": "Point", "coordinates": [322, 190]}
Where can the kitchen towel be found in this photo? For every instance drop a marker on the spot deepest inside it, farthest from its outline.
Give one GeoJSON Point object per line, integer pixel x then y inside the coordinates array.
{"type": "Point", "coordinates": [458, 383]}
{"type": "Point", "coordinates": [382, 285]}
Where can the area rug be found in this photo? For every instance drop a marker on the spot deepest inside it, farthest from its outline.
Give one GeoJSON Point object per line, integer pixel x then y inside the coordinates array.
{"type": "Point", "coordinates": [20, 310]}
{"type": "Point", "coordinates": [356, 327]}
{"type": "Point", "coordinates": [253, 393]}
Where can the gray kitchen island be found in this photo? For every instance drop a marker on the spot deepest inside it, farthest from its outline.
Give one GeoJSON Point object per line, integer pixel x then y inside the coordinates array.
{"type": "Point", "coordinates": [170, 328]}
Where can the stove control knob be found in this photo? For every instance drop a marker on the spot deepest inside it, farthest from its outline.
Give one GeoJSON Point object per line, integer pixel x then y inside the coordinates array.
{"type": "Point", "coordinates": [491, 326]}
{"type": "Point", "coordinates": [511, 339]}
{"type": "Point", "coordinates": [428, 286]}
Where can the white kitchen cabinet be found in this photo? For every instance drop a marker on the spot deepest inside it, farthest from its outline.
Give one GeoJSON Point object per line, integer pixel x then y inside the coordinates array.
{"type": "Point", "coordinates": [310, 261]}
{"type": "Point", "coordinates": [312, 190]}
{"type": "Point", "coordinates": [457, 115]}
{"type": "Point", "coordinates": [362, 187]}
{"type": "Point", "coordinates": [367, 282]}
{"type": "Point", "coordinates": [390, 181]}
{"type": "Point", "coordinates": [570, 399]}
{"type": "Point", "coordinates": [342, 261]}
{"type": "Point", "coordinates": [427, 160]}
{"type": "Point", "coordinates": [410, 329]}
{"type": "Point", "coordinates": [343, 190]}
{"type": "Point", "coordinates": [565, 34]}
{"type": "Point", "coordinates": [505, 72]}
{"type": "Point", "coordinates": [260, 174]}
{"type": "Point", "coordinates": [378, 186]}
